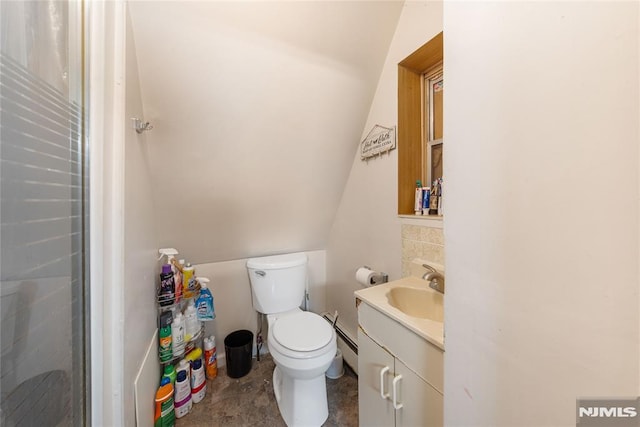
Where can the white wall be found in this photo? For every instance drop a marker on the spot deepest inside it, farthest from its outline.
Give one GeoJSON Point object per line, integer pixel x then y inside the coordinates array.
{"type": "Point", "coordinates": [232, 295]}
{"type": "Point", "coordinates": [258, 108]}
{"type": "Point", "coordinates": [140, 240]}
{"type": "Point", "coordinates": [248, 168]}
{"type": "Point", "coordinates": [366, 229]}
{"type": "Point", "coordinates": [542, 131]}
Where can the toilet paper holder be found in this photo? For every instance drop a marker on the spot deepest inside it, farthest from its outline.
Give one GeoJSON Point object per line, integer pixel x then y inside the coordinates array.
{"type": "Point", "coordinates": [379, 277]}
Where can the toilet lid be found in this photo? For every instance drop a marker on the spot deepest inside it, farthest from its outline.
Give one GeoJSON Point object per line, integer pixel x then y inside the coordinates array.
{"type": "Point", "coordinates": [302, 331]}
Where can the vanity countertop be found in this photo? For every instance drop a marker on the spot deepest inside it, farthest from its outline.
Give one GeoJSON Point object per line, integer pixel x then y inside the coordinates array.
{"type": "Point", "coordinates": [378, 298]}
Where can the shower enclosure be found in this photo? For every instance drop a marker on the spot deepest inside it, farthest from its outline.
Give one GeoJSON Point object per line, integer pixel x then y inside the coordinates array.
{"type": "Point", "coordinates": [43, 215]}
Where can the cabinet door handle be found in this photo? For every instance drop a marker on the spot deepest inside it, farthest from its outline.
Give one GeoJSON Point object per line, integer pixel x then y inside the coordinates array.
{"type": "Point", "coordinates": [396, 379]}
{"type": "Point", "coordinates": [383, 371]}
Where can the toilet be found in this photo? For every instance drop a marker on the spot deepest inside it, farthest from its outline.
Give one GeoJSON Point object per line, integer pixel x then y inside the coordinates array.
{"type": "Point", "coordinates": [302, 344]}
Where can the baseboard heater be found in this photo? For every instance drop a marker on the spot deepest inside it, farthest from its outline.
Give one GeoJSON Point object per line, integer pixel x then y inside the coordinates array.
{"type": "Point", "coordinates": [348, 346]}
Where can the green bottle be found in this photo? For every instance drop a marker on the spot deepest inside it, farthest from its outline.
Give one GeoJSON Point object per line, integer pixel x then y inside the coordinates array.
{"type": "Point", "coordinates": [170, 372]}
{"type": "Point", "coordinates": [165, 349]}
{"type": "Point", "coordinates": [165, 414]}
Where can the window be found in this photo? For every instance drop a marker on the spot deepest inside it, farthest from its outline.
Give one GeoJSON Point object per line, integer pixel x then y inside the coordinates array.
{"type": "Point", "coordinates": [414, 150]}
{"type": "Point", "coordinates": [433, 95]}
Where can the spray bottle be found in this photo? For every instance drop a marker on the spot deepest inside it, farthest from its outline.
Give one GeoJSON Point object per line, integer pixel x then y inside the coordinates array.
{"type": "Point", "coordinates": [171, 253]}
{"type": "Point", "coordinates": [204, 303]}
{"type": "Point", "coordinates": [210, 357]}
{"type": "Point", "coordinates": [166, 293]}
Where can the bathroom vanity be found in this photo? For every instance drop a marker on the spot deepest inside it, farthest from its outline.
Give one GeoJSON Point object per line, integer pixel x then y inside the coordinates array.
{"type": "Point", "coordinates": [400, 354]}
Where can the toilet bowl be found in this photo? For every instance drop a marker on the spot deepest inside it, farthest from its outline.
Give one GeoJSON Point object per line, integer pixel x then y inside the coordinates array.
{"type": "Point", "coordinates": [302, 345]}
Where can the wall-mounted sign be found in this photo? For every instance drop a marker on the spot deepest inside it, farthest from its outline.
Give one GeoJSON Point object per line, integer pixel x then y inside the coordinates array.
{"type": "Point", "coordinates": [379, 140]}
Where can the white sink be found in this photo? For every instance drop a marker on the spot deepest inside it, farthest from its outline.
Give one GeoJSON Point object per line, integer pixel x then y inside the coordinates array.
{"type": "Point", "coordinates": [422, 303]}
{"type": "Point", "coordinates": [410, 302]}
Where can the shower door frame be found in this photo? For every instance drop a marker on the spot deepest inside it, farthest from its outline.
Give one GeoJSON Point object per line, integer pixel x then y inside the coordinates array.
{"type": "Point", "coordinates": [106, 61]}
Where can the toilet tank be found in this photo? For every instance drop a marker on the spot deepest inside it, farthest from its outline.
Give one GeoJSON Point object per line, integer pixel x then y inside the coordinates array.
{"type": "Point", "coordinates": [278, 282]}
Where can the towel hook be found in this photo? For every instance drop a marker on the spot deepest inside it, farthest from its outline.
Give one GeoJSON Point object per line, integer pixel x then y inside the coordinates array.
{"type": "Point", "coordinates": [141, 126]}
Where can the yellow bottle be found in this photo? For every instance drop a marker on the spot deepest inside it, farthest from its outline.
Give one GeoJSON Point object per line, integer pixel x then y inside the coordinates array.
{"type": "Point", "coordinates": [194, 354]}
{"type": "Point", "coordinates": [188, 281]}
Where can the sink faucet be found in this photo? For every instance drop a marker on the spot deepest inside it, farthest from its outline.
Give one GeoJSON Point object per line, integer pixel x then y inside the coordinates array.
{"type": "Point", "coordinates": [434, 277]}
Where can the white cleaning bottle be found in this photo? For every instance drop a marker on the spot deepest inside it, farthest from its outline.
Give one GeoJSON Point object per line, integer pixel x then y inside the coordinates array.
{"type": "Point", "coordinates": [182, 397]}
{"type": "Point", "coordinates": [192, 325]}
{"type": "Point", "coordinates": [178, 335]}
{"type": "Point", "coordinates": [198, 381]}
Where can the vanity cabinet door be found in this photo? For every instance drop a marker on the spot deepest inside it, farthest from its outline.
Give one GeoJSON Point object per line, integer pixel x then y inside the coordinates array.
{"type": "Point", "coordinates": [421, 404]}
{"type": "Point", "coordinates": [374, 410]}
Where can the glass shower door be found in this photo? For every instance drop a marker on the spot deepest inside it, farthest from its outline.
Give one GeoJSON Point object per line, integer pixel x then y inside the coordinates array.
{"type": "Point", "coordinates": [43, 215]}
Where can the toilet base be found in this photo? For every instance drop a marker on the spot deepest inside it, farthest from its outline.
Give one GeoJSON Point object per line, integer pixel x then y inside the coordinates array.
{"type": "Point", "coordinates": [301, 402]}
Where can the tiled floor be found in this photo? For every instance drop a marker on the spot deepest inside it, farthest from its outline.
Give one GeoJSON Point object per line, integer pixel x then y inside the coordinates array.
{"type": "Point", "coordinates": [249, 401]}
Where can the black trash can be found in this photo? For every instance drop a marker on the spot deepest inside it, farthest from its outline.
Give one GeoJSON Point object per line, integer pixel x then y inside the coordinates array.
{"type": "Point", "coordinates": [238, 349]}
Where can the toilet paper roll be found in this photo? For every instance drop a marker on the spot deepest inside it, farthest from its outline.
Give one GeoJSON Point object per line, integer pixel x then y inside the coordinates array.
{"type": "Point", "coordinates": [364, 276]}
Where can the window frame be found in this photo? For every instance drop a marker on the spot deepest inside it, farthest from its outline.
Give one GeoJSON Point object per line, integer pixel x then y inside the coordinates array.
{"type": "Point", "coordinates": [430, 77]}
{"type": "Point", "coordinates": [410, 141]}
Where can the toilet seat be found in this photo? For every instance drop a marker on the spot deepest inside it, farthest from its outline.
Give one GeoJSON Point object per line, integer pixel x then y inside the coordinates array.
{"type": "Point", "coordinates": [302, 331]}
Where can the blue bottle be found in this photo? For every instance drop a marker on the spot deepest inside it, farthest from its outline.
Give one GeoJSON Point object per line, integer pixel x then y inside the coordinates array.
{"type": "Point", "coordinates": [204, 303]}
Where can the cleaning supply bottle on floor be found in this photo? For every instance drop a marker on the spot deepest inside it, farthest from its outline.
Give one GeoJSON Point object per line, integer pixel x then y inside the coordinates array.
{"type": "Point", "coordinates": [210, 357]}
{"type": "Point", "coordinates": [182, 398]}
{"type": "Point", "coordinates": [204, 303]}
{"type": "Point", "coordinates": [165, 412]}
{"type": "Point", "coordinates": [198, 381]}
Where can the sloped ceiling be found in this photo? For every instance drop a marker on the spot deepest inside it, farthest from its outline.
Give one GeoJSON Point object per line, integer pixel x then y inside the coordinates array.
{"type": "Point", "coordinates": [258, 109]}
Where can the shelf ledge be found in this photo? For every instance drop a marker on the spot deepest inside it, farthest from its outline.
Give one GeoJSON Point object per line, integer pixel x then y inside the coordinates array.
{"type": "Point", "coordinates": [435, 221]}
